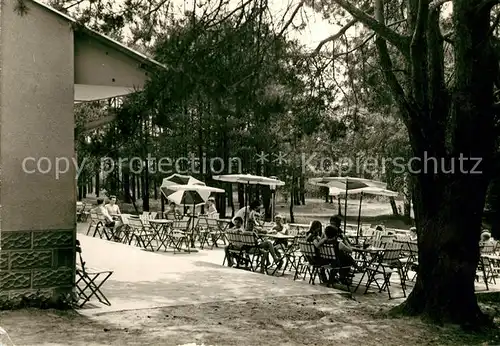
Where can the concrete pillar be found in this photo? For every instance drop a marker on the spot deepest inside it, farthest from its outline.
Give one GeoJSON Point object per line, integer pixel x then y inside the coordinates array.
{"type": "Point", "coordinates": [38, 224]}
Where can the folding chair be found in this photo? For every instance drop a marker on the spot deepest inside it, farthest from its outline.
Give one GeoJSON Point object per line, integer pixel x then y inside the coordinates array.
{"type": "Point", "coordinates": [139, 233]}
{"type": "Point", "coordinates": [209, 229]}
{"type": "Point", "coordinates": [384, 265]}
{"type": "Point", "coordinates": [252, 253]}
{"type": "Point", "coordinates": [234, 249]}
{"type": "Point", "coordinates": [94, 222]}
{"type": "Point", "coordinates": [305, 264]}
{"type": "Point", "coordinates": [89, 282]}
{"type": "Point", "coordinates": [180, 234]}
{"type": "Point", "coordinates": [327, 252]}
{"type": "Point", "coordinates": [291, 253]}
{"type": "Point", "coordinates": [79, 211]}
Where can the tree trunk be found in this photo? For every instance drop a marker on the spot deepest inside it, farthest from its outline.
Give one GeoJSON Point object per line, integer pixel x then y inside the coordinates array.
{"type": "Point", "coordinates": [296, 195]}
{"type": "Point", "coordinates": [266, 200]}
{"type": "Point", "coordinates": [132, 187]}
{"type": "Point", "coordinates": [145, 190]}
{"type": "Point", "coordinates": [97, 184]}
{"type": "Point", "coordinates": [292, 217]}
{"type": "Point", "coordinates": [80, 192]}
{"type": "Point", "coordinates": [448, 220]}
{"type": "Point", "coordinates": [241, 196]}
{"type": "Point", "coordinates": [394, 206]}
{"type": "Point", "coordinates": [231, 199]}
{"type": "Point", "coordinates": [302, 190]}
{"type": "Point", "coordinates": [126, 187]}
{"type": "Point", "coordinates": [155, 189]}
{"type": "Point", "coordinates": [139, 186]}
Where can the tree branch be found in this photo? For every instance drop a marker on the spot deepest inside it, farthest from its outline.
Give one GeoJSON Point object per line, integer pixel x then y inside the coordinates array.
{"type": "Point", "coordinates": [387, 69]}
{"type": "Point", "coordinates": [335, 36]}
{"type": "Point", "coordinates": [397, 40]}
{"type": "Point", "coordinates": [292, 17]}
{"type": "Point", "coordinates": [435, 4]}
{"type": "Point", "coordinates": [365, 41]}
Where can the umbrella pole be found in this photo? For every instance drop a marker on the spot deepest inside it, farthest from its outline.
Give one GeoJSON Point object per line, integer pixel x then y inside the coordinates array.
{"type": "Point", "coordinates": [345, 208]}
{"type": "Point", "coordinates": [359, 217]}
{"type": "Point", "coordinates": [245, 192]}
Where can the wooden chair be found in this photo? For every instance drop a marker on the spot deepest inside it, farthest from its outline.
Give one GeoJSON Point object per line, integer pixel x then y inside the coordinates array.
{"type": "Point", "coordinates": [89, 281]}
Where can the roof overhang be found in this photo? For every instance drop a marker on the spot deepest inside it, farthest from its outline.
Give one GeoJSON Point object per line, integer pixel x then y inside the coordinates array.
{"type": "Point", "coordinates": [87, 93]}
{"type": "Point", "coordinates": [103, 67]}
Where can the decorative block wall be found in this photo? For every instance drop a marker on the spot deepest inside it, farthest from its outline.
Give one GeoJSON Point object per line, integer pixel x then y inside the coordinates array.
{"type": "Point", "coordinates": [36, 265]}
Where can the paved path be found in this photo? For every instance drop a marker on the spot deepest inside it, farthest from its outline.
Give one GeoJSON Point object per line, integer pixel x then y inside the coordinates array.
{"type": "Point", "coordinates": [144, 280]}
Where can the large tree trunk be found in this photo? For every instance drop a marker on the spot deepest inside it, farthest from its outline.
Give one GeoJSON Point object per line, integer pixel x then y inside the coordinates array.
{"type": "Point", "coordinates": [448, 235]}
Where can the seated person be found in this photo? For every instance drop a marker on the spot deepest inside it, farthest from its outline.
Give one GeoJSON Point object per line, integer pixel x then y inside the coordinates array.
{"type": "Point", "coordinates": [413, 234]}
{"type": "Point", "coordinates": [264, 244]}
{"type": "Point", "coordinates": [486, 239]}
{"type": "Point", "coordinates": [112, 207]}
{"type": "Point", "coordinates": [244, 213]}
{"type": "Point", "coordinates": [173, 213]}
{"type": "Point", "coordinates": [254, 222]}
{"type": "Point", "coordinates": [280, 227]}
{"type": "Point", "coordinates": [314, 232]}
{"type": "Point", "coordinates": [101, 210]}
{"type": "Point", "coordinates": [238, 228]}
{"type": "Point", "coordinates": [333, 235]}
{"type": "Point", "coordinates": [211, 208]}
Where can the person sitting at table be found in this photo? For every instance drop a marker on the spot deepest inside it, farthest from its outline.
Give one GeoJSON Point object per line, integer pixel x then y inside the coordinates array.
{"type": "Point", "coordinates": [237, 228]}
{"type": "Point", "coordinates": [211, 208]}
{"type": "Point", "coordinates": [245, 212]}
{"type": "Point", "coordinates": [173, 213]}
{"type": "Point", "coordinates": [333, 235]}
{"type": "Point", "coordinates": [264, 244]}
{"type": "Point", "coordinates": [281, 228]}
{"type": "Point", "coordinates": [101, 209]}
{"type": "Point", "coordinates": [314, 232]}
{"type": "Point", "coordinates": [413, 234]}
{"type": "Point", "coordinates": [486, 239]}
{"type": "Point", "coordinates": [113, 208]}
{"type": "Point", "coordinates": [254, 222]}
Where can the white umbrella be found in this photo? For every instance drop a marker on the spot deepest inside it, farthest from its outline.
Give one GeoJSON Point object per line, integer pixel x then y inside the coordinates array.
{"type": "Point", "coordinates": [375, 191]}
{"type": "Point", "coordinates": [178, 179]}
{"type": "Point", "coordinates": [197, 188]}
{"type": "Point", "coordinates": [249, 179]}
{"type": "Point", "coordinates": [191, 194]}
{"type": "Point", "coordinates": [348, 184]}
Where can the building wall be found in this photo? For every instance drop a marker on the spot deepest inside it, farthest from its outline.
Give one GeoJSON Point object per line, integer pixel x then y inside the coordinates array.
{"type": "Point", "coordinates": [99, 64]}
{"type": "Point", "coordinates": [38, 226]}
